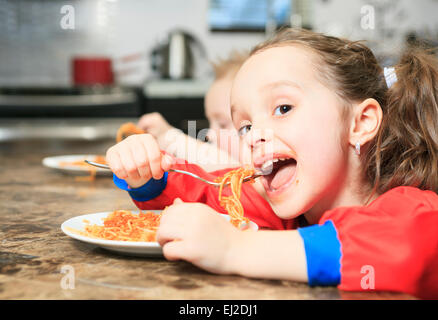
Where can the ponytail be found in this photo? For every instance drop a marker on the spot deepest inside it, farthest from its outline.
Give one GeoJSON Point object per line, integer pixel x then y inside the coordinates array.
{"type": "Point", "coordinates": [405, 152]}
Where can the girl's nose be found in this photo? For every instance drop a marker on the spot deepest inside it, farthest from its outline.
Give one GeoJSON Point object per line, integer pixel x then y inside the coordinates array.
{"type": "Point", "coordinates": [211, 136]}
{"type": "Point", "coordinates": [257, 137]}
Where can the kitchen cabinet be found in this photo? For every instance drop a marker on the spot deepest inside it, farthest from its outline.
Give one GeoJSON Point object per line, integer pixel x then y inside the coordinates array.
{"type": "Point", "coordinates": [179, 101]}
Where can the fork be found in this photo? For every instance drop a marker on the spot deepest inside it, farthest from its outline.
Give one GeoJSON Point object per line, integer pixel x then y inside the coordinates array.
{"type": "Point", "coordinates": [216, 184]}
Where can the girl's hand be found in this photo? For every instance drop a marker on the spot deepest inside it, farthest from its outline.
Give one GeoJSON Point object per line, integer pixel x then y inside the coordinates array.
{"type": "Point", "coordinates": [196, 233]}
{"type": "Point", "coordinates": [155, 124]}
{"type": "Point", "coordinates": [137, 159]}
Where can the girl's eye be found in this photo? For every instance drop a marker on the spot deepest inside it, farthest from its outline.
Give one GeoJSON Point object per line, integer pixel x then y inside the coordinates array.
{"type": "Point", "coordinates": [244, 130]}
{"type": "Point", "coordinates": [280, 110]}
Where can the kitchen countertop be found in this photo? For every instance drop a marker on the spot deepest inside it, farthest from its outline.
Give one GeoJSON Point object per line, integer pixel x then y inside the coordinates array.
{"type": "Point", "coordinates": [33, 250]}
{"type": "Point", "coordinates": [91, 129]}
{"type": "Point", "coordinates": [185, 88]}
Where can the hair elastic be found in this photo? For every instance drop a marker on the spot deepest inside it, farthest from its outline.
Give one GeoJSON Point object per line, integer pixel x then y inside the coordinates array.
{"type": "Point", "coordinates": [390, 76]}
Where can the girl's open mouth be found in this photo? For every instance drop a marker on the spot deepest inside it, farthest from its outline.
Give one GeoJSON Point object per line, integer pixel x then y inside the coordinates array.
{"type": "Point", "coordinates": [279, 173]}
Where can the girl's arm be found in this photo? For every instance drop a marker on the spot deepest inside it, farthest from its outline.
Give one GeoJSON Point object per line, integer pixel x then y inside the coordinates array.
{"type": "Point", "coordinates": [206, 155]}
{"type": "Point", "coordinates": [175, 142]}
{"type": "Point", "coordinates": [269, 255]}
{"type": "Point", "coordinates": [196, 233]}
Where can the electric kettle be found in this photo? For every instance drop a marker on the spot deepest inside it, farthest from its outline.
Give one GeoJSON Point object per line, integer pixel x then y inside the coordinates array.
{"type": "Point", "coordinates": [175, 58]}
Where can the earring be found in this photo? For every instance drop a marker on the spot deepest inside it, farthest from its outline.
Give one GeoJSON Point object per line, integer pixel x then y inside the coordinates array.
{"type": "Point", "coordinates": [357, 147]}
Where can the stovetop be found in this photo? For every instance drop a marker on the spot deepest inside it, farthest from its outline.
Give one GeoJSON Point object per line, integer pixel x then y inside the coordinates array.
{"type": "Point", "coordinates": [97, 101]}
{"type": "Point", "coordinates": [62, 91]}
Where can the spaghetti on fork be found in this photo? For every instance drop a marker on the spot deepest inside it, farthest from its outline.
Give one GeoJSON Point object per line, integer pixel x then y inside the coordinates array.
{"type": "Point", "coordinates": [232, 203]}
{"type": "Point", "coordinates": [126, 130]}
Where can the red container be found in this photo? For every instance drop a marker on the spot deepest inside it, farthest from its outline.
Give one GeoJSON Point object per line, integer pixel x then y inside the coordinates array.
{"type": "Point", "coordinates": [92, 70]}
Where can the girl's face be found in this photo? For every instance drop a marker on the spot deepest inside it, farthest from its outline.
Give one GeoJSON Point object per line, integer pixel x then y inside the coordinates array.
{"type": "Point", "coordinates": [217, 110]}
{"type": "Point", "coordinates": [292, 123]}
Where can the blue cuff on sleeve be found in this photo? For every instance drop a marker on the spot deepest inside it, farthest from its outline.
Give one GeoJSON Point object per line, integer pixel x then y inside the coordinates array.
{"type": "Point", "coordinates": [323, 254]}
{"type": "Point", "coordinates": [152, 189]}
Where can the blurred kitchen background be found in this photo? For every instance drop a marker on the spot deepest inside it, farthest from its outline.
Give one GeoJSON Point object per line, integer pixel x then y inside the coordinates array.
{"type": "Point", "coordinates": [77, 69]}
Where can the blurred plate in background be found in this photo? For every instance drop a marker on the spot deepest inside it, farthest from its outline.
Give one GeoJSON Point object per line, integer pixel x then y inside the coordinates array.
{"type": "Point", "coordinates": [72, 164]}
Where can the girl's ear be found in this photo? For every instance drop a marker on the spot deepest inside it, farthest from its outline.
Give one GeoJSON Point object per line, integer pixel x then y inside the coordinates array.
{"type": "Point", "coordinates": [365, 122]}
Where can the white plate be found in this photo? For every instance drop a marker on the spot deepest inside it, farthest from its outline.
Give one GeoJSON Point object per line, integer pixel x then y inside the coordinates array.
{"type": "Point", "coordinates": [137, 248]}
{"type": "Point", "coordinates": [56, 163]}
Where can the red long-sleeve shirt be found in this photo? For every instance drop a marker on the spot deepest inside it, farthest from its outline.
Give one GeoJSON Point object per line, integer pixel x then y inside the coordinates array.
{"type": "Point", "coordinates": [389, 245]}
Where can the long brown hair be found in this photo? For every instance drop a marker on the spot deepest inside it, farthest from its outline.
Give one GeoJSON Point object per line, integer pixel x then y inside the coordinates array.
{"type": "Point", "coordinates": [405, 150]}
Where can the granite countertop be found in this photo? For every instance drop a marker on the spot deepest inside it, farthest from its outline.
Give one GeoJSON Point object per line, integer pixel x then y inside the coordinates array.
{"type": "Point", "coordinates": [35, 200]}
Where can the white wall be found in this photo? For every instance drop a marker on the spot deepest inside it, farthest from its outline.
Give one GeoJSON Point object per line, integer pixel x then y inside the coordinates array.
{"type": "Point", "coordinates": [393, 20]}
{"type": "Point", "coordinates": [35, 50]}
{"type": "Point", "coordinates": [149, 22]}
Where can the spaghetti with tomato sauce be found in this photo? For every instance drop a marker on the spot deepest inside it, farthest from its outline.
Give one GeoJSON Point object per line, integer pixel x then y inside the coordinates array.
{"type": "Point", "coordinates": [123, 225]}
{"type": "Point", "coordinates": [232, 203]}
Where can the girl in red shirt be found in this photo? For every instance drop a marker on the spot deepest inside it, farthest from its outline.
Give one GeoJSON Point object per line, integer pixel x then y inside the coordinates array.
{"type": "Point", "coordinates": [350, 156]}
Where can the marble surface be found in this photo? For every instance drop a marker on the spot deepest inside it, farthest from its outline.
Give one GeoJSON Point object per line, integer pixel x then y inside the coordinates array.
{"type": "Point", "coordinates": [35, 200]}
